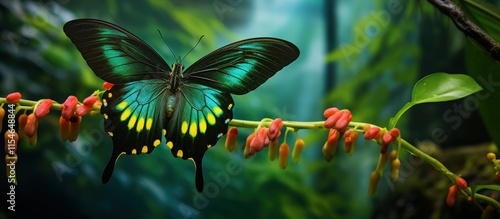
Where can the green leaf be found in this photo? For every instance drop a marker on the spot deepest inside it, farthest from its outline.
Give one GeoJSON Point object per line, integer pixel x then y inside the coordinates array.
{"type": "Point", "coordinates": [441, 87]}
{"type": "Point", "coordinates": [438, 87]}
{"type": "Point", "coordinates": [476, 188]}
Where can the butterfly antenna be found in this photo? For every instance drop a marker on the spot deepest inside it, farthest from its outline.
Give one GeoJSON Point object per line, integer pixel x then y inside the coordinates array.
{"type": "Point", "coordinates": [193, 47]}
{"type": "Point", "coordinates": [171, 51]}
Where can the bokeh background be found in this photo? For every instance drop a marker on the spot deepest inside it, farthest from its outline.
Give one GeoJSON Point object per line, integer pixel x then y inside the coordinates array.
{"type": "Point", "coordinates": [357, 54]}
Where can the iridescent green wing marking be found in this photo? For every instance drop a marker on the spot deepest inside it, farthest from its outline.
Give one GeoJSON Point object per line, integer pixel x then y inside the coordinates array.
{"type": "Point", "coordinates": [240, 67]}
{"type": "Point", "coordinates": [200, 118]}
{"type": "Point", "coordinates": [114, 54]}
{"type": "Point", "coordinates": [134, 108]}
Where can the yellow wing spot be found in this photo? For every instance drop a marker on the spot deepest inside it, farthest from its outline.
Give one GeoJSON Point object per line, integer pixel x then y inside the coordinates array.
{"type": "Point", "coordinates": [105, 116]}
{"type": "Point", "coordinates": [140, 124]}
{"type": "Point", "coordinates": [131, 122]}
{"type": "Point", "coordinates": [184, 127]}
{"type": "Point", "coordinates": [164, 131]}
{"type": "Point", "coordinates": [149, 123]}
{"type": "Point", "coordinates": [157, 142]}
{"type": "Point", "coordinates": [217, 111]}
{"type": "Point", "coordinates": [125, 114]}
{"type": "Point", "coordinates": [170, 144]}
{"type": "Point", "coordinates": [121, 105]}
{"type": "Point", "coordinates": [209, 146]}
{"type": "Point", "coordinates": [193, 130]}
{"type": "Point", "coordinates": [203, 126]}
{"type": "Point", "coordinates": [180, 153]}
{"type": "Point", "coordinates": [134, 151]}
{"type": "Point", "coordinates": [220, 135]}
{"type": "Point", "coordinates": [230, 106]}
{"type": "Point", "coordinates": [227, 121]}
{"type": "Point", "coordinates": [110, 134]}
{"type": "Point", "coordinates": [110, 95]}
{"type": "Point", "coordinates": [104, 102]}
{"type": "Point", "coordinates": [144, 149]}
{"type": "Point", "coordinates": [211, 119]}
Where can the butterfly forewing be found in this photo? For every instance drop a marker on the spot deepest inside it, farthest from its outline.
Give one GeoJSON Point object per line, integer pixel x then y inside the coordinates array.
{"type": "Point", "coordinates": [114, 54]}
{"type": "Point", "coordinates": [242, 66]}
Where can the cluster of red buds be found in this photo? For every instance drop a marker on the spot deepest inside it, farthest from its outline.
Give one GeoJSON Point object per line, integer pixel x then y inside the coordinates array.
{"type": "Point", "coordinates": [383, 138]}
{"type": "Point", "coordinates": [460, 184]}
{"type": "Point", "coordinates": [267, 135]}
{"type": "Point", "coordinates": [69, 122]}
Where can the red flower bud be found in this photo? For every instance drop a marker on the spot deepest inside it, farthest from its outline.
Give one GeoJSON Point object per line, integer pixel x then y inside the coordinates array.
{"type": "Point", "coordinates": [232, 134]}
{"type": "Point", "coordinates": [43, 108]}
{"type": "Point", "coordinates": [21, 121]}
{"type": "Point", "coordinates": [330, 111]}
{"type": "Point", "coordinates": [64, 129]}
{"type": "Point", "coordinates": [387, 138]}
{"type": "Point", "coordinates": [258, 143]}
{"type": "Point", "coordinates": [274, 129]}
{"type": "Point", "coordinates": [247, 152]}
{"type": "Point", "coordinates": [372, 133]}
{"type": "Point", "coordinates": [68, 107]}
{"type": "Point", "coordinates": [461, 183]}
{"type": "Point", "coordinates": [107, 85]}
{"type": "Point", "coordinates": [344, 120]}
{"type": "Point", "coordinates": [13, 97]}
{"type": "Point", "coordinates": [82, 110]}
{"type": "Point", "coordinates": [74, 127]}
{"type": "Point", "coordinates": [330, 146]}
{"type": "Point", "coordinates": [90, 100]}
{"type": "Point", "coordinates": [332, 120]}
{"type": "Point", "coordinates": [31, 125]}
{"type": "Point", "coordinates": [395, 132]}
{"type": "Point", "coordinates": [452, 195]}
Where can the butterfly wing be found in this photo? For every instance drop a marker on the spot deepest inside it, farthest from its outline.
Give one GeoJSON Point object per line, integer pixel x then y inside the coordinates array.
{"type": "Point", "coordinates": [133, 108]}
{"type": "Point", "coordinates": [114, 54]}
{"type": "Point", "coordinates": [200, 117]}
{"type": "Point", "coordinates": [134, 116]}
{"type": "Point", "coordinates": [242, 66]}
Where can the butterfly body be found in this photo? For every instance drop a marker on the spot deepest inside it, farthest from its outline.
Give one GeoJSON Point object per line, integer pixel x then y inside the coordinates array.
{"type": "Point", "coordinates": [152, 104]}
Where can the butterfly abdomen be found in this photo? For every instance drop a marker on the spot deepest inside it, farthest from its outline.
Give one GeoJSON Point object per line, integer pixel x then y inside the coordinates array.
{"type": "Point", "coordinates": [170, 105]}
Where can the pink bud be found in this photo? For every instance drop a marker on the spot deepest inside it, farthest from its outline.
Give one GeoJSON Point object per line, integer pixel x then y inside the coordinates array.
{"type": "Point", "coordinates": [13, 97]}
{"type": "Point", "coordinates": [43, 108]}
{"type": "Point", "coordinates": [330, 111]}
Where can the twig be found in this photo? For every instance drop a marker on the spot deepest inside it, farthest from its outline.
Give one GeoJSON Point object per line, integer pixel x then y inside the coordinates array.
{"type": "Point", "coordinates": [467, 27]}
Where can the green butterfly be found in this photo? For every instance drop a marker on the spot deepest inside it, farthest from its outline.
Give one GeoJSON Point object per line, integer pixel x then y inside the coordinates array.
{"type": "Point", "coordinates": [149, 100]}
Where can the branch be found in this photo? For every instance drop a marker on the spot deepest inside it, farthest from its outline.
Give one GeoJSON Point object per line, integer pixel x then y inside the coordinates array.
{"type": "Point", "coordinates": [467, 27]}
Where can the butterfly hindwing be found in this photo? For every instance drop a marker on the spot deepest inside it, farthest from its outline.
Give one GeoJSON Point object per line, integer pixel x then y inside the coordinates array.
{"type": "Point", "coordinates": [134, 118]}
{"type": "Point", "coordinates": [199, 120]}
{"type": "Point", "coordinates": [242, 66]}
{"type": "Point", "coordinates": [114, 54]}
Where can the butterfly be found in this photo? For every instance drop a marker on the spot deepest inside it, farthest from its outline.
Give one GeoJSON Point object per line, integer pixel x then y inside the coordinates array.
{"type": "Point", "coordinates": [152, 104]}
